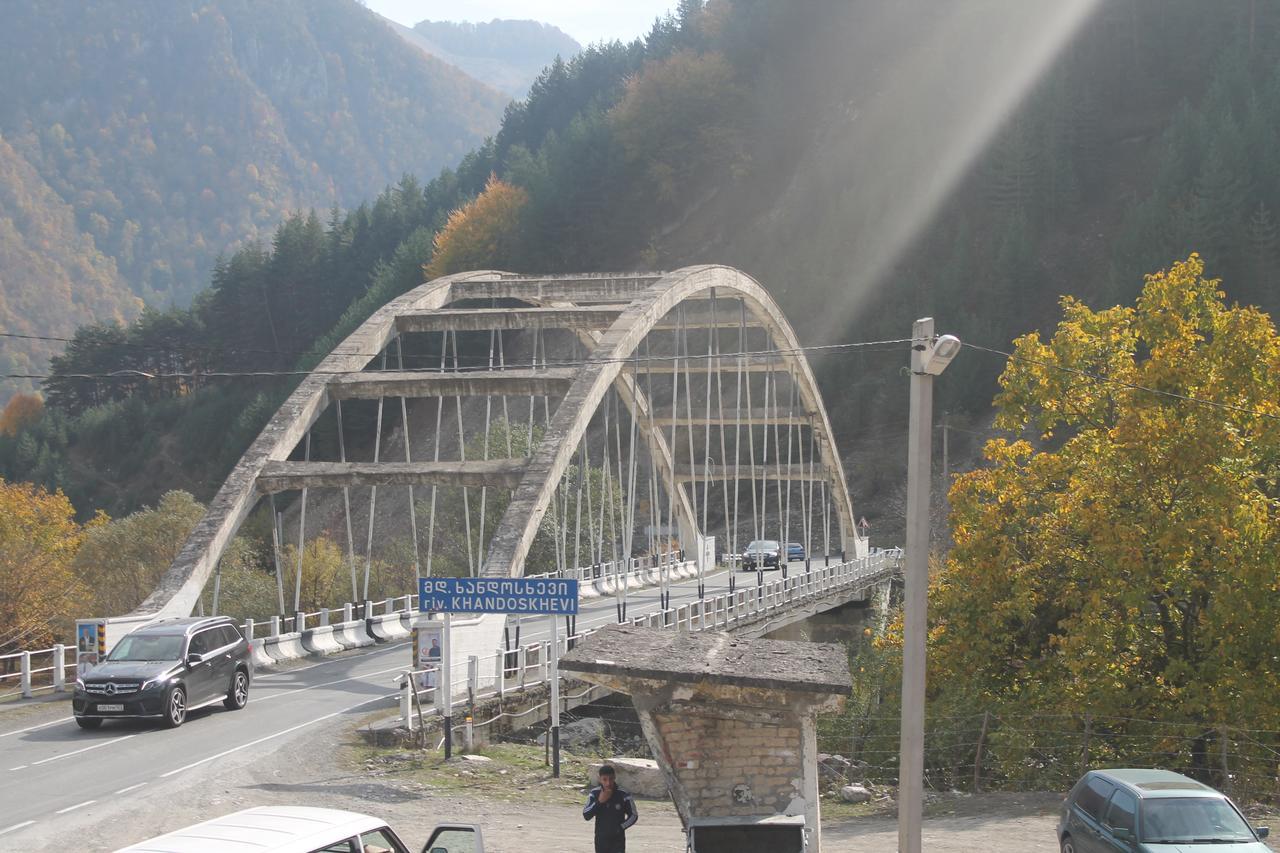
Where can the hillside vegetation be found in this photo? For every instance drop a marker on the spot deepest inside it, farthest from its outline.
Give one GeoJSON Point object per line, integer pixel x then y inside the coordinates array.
{"type": "Point", "coordinates": [139, 141]}
{"type": "Point", "coordinates": [735, 132]}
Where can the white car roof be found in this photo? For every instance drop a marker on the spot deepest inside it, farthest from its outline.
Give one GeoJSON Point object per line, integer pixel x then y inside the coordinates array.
{"type": "Point", "coordinates": [264, 829]}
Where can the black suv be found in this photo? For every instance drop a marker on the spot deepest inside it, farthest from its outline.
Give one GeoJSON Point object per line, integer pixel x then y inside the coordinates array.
{"type": "Point", "coordinates": [166, 669]}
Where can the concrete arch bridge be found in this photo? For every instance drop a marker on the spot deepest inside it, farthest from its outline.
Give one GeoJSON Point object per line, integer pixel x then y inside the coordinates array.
{"type": "Point", "coordinates": [602, 426]}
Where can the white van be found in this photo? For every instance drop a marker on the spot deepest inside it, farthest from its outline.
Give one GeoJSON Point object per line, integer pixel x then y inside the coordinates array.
{"type": "Point", "coordinates": [301, 829]}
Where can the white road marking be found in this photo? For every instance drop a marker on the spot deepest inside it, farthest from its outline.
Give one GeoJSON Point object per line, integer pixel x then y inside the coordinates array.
{"type": "Point", "coordinates": [131, 788]}
{"type": "Point", "coordinates": [19, 767]}
{"type": "Point", "coordinates": [76, 806]}
{"type": "Point", "coordinates": [41, 726]}
{"type": "Point", "coordinates": [16, 826]}
{"type": "Point", "coordinates": [280, 733]}
{"type": "Point", "coordinates": [291, 691]}
{"type": "Point", "coordinates": [78, 751]}
{"type": "Point", "coordinates": [326, 662]}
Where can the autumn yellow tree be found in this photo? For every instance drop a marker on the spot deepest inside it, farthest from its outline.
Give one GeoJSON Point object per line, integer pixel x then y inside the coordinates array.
{"type": "Point", "coordinates": [481, 234]}
{"type": "Point", "coordinates": [121, 560]}
{"type": "Point", "coordinates": [1121, 559]}
{"type": "Point", "coordinates": [21, 410]}
{"type": "Point", "coordinates": [326, 580]}
{"type": "Point", "coordinates": [39, 591]}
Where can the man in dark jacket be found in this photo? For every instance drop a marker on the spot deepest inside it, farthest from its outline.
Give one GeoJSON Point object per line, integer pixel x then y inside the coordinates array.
{"type": "Point", "coordinates": [613, 810]}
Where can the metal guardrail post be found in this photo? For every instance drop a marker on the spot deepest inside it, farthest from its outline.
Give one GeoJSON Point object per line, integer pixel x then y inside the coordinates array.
{"type": "Point", "coordinates": [24, 661]}
{"type": "Point", "coordinates": [60, 668]}
{"type": "Point", "coordinates": [248, 629]}
{"type": "Point", "coordinates": [299, 621]}
{"type": "Point", "coordinates": [324, 617]}
{"type": "Point", "coordinates": [274, 627]}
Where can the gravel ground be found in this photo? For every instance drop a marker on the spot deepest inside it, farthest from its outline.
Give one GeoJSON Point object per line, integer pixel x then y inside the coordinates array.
{"type": "Point", "coordinates": [327, 768]}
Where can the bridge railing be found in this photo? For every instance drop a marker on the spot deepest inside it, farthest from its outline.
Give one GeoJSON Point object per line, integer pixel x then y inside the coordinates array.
{"type": "Point", "coordinates": [599, 571]}
{"type": "Point", "coordinates": [26, 673]}
{"type": "Point", "coordinates": [503, 672]}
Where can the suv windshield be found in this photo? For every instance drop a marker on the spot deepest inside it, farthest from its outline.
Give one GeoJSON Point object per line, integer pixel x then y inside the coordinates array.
{"type": "Point", "coordinates": [763, 545]}
{"type": "Point", "coordinates": [1186, 820]}
{"type": "Point", "coordinates": [148, 647]}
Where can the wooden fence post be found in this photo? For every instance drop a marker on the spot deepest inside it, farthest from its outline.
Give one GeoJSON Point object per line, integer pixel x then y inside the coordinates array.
{"type": "Point", "coordinates": [1224, 743]}
{"type": "Point", "coordinates": [977, 758]}
{"type": "Point", "coordinates": [1084, 752]}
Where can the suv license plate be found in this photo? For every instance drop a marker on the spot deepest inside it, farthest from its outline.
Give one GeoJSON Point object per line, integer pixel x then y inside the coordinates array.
{"type": "Point", "coordinates": [111, 707]}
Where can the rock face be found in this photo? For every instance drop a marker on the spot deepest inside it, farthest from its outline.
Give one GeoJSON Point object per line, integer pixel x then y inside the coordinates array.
{"type": "Point", "coordinates": [640, 776]}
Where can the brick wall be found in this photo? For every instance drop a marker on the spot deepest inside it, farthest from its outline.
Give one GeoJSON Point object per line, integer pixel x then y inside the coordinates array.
{"type": "Point", "coordinates": [731, 767]}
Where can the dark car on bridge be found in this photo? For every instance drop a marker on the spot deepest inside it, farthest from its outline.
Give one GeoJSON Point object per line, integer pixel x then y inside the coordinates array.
{"type": "Point", "coordinates": [165, 670]}
{"type": "Point", "coordinates": [795, 552]}
{"type": "Point", "coordinates": [761, 554]}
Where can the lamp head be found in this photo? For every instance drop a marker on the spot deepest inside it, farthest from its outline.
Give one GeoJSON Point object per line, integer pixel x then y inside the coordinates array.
{"type": "Point", "coordinates": [933, 357]}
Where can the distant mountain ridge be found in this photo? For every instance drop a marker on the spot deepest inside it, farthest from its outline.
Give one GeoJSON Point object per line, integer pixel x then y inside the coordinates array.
{"type": "Point", "coordinates": [152, 136]}
{"type": "Point", "coordinates": [506, 54]}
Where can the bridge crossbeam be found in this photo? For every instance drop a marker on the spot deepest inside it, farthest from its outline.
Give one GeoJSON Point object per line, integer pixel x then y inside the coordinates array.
{"type": "Point", "coordinates": [372, 385]}
{"type": "Point", "coordinates": [288, 476]}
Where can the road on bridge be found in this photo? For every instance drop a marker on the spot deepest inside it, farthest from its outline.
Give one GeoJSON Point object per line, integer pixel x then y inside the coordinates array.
{"type": "Point", "coordinates": [57, 781]}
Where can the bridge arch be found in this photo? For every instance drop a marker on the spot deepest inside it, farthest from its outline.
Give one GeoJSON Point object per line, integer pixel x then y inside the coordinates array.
{"type": "Point", "coordinates": [611, 314]}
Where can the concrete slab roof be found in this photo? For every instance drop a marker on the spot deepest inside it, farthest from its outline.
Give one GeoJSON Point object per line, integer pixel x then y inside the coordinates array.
{"type": "Point", "coordinates": [629, 651]}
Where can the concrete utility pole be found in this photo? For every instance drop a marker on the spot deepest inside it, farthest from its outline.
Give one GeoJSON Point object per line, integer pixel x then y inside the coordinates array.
{"type": "Point", "coordinates": [929, 357]}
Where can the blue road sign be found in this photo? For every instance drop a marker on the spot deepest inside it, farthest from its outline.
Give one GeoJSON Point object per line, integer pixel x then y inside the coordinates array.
{"type": "Point", "coordinates": [498, 595]}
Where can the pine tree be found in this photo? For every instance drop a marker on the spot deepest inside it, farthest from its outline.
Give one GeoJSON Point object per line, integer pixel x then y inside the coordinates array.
{"type": "Point", "coordinates": [1216, 209]}
{"type": "Point", "coordinates": [1261, 253]}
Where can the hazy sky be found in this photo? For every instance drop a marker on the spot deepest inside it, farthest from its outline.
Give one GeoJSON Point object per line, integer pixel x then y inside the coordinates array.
{"type": "Point", "coordinates": [585, 20]}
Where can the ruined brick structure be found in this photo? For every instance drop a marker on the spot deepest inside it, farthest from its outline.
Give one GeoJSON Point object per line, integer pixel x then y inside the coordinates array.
{"type": "Point", "coordinates": [731, 723]}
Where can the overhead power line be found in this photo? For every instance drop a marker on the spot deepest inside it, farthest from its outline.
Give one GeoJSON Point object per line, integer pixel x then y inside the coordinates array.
{"type": "Point", "coordinates": [132, 373]}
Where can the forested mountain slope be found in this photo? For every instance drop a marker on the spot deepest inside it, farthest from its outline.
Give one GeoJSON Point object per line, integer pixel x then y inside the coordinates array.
{"type": "Point", "coordinates": [159, 134]}
{"type": "Point", "coordinates": [784, 140]}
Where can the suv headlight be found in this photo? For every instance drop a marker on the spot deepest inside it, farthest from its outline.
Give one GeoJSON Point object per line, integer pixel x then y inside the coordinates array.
{"type": "Point", "coordinates": [79, 684]}
{"type": "Point", "coordinates": [152, 682]}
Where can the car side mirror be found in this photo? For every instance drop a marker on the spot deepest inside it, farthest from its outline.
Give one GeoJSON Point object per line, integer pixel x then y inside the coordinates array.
{"type": "Point", "coordinates": [1121, 833]}
{"type": "Point", "coordinates": [1263, 831]}
{"type": "Point", "coordinates": [454, 838]}
{"type": "Point", "coordinates": [194, 658]}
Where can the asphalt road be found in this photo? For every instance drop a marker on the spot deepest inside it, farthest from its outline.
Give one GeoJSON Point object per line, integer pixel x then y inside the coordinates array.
{"type": "Point", "coordinates": [50, 768]}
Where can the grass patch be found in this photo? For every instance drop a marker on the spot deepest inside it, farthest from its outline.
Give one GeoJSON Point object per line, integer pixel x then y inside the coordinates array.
{"type": "Point", "coordinates": [512, 771]}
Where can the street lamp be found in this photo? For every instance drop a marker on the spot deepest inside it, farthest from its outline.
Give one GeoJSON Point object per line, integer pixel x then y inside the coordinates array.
{"type": "Point", "coordinates": [930, 355]}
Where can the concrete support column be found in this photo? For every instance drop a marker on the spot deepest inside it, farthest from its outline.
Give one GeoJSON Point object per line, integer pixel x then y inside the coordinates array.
{"type": "Point", "coordinates": [59, 668]}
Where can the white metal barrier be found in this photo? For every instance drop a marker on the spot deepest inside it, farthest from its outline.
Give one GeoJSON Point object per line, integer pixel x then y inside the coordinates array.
{"type": "Point", "coordinates": [528, 665]}
{"type": "Point", "coordinates": [30, 669]}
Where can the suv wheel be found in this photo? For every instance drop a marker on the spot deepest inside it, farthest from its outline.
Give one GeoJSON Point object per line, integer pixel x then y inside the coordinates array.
{"type": "Point", "coordinates": [1068, 844]}
{"type": "Point", "coordinates": [88, 722]}
{"type": "Point", "coordinates": [175, 707]}
{"type": "Point", "coordinates": [238, 694]}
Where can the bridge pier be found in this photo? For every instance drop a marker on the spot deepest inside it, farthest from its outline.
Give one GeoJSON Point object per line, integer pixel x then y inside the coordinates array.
{"type": "Point", "coordinates": [731, 723]}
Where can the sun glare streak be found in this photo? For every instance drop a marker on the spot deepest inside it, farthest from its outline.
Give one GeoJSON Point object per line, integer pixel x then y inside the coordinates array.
{"type": "Point", "coordinates": [939, 109]}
